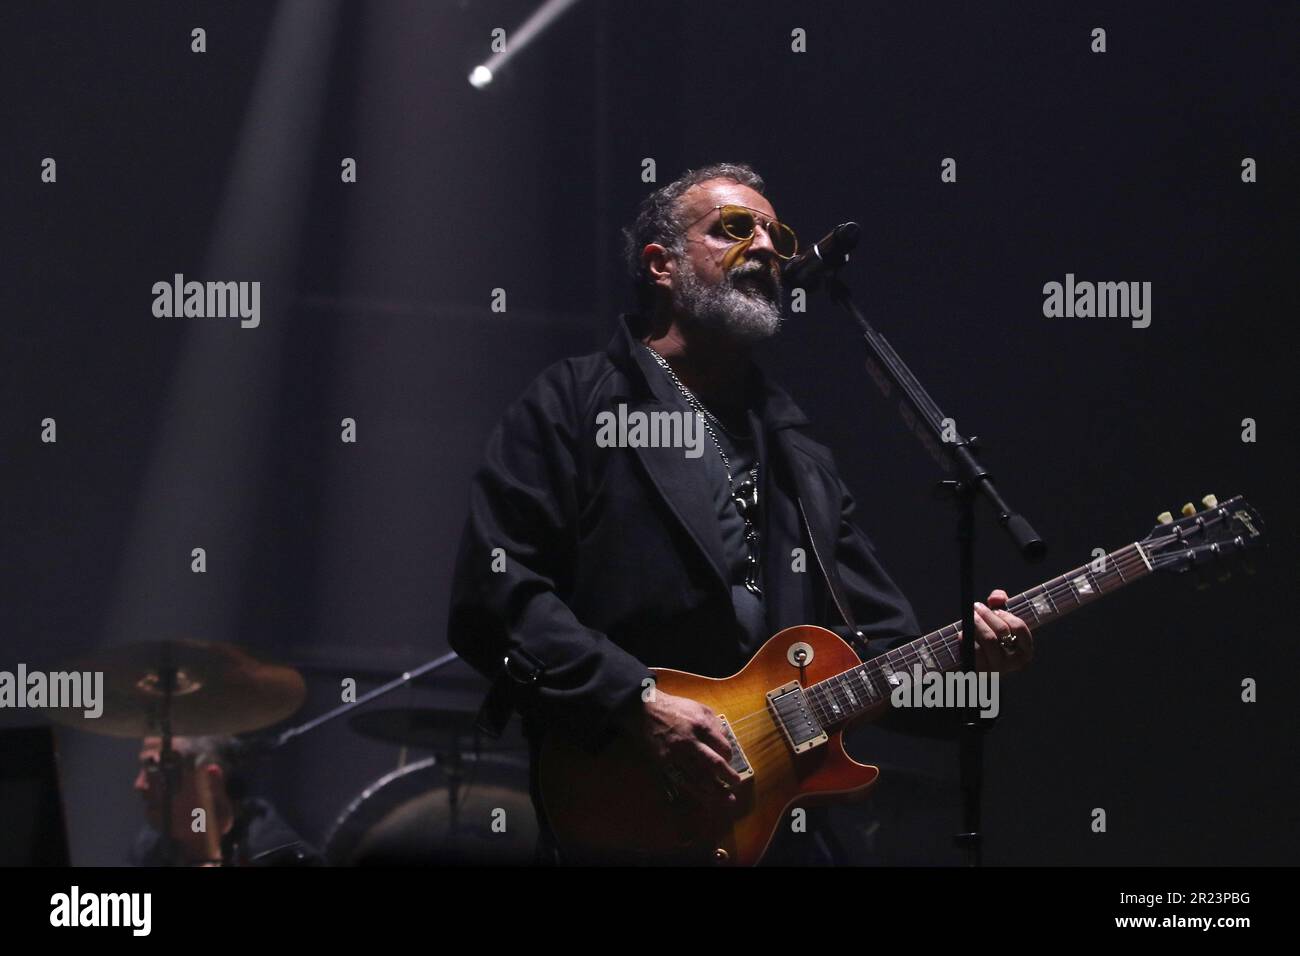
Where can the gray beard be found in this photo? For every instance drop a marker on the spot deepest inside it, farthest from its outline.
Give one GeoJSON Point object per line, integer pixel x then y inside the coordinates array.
{"type": "Point", "coordinates": [746, 315]}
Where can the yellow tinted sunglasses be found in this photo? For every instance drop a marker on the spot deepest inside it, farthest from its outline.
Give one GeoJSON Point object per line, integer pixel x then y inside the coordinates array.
{"type": "Point", "coordinates": [739, 222]}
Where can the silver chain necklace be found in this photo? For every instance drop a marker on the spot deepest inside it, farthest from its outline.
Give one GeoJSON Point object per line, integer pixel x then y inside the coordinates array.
{"type": "Point", "coordinates": [744, 495]}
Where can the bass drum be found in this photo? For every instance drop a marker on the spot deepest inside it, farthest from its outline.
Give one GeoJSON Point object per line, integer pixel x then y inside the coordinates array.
{"type": "Point", "coordinates": [471, 810]}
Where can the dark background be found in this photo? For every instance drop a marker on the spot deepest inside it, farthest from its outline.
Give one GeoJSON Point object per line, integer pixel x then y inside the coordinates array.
{"type": "Point", "coordinates": [182, 433]}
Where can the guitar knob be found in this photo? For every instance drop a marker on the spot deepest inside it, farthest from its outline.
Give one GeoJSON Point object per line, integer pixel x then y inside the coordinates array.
{"type": "Point", "coordinates": [1189, 509]}
{"type": "Point", "coordinates": [720, 855]}
{"type": "Point", "coordinates": [1210, 502]}
{"type": "Point", "coordinates": [1165, 518]}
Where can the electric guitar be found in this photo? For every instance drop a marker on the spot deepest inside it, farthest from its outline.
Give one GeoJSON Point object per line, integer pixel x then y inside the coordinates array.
{"type": "Point", "coordinates": [785, 713]}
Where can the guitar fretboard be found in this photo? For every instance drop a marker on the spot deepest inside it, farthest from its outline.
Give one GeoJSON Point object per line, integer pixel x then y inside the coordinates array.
{"type": "Point", "coordinates": [869, 685]}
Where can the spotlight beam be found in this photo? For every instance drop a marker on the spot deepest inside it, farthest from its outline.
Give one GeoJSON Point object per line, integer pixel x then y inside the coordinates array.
{"type": "Point", "coordinates": [541, 18]}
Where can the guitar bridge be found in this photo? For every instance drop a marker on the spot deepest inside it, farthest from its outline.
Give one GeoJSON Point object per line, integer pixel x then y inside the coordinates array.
{"type": "Point", "coordinates": [739, 762]}
{"type": "Point", "coordinates": [801, 728]}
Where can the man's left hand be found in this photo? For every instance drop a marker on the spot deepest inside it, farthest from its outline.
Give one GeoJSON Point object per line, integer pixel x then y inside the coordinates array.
{"type": "Point", "coordinates": [1003, 641]}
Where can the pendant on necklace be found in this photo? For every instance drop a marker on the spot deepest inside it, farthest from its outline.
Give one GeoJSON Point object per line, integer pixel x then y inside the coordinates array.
{"type": "Point", "coordinates": [745, 495]}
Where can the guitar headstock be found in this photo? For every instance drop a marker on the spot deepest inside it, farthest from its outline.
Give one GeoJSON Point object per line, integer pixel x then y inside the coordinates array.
{"type": "Point", "coordinates": [1200, 538]}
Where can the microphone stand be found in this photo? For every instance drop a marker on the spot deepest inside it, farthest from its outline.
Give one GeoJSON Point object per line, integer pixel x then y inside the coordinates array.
{"type": "Point", "coordinates": [956, 456]}
{"type": "Point", "coordinates": [406, 677]}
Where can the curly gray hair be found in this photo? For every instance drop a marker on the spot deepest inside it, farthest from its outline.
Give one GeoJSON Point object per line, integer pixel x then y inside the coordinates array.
{"type": "Point", "coordinates": [657, 220]}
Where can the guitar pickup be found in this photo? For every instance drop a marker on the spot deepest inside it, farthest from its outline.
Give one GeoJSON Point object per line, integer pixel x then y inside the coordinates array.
{"type": "Point", "coordinates": [801, 728]}
{"type": "Point", "coordinates": [739, 762]}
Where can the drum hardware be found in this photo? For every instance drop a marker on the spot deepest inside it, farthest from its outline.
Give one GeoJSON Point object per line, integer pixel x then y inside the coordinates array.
{"type": "Point", "coordinates": [440, 811]}
{"type": "Point", "coordinates": [186, 688]}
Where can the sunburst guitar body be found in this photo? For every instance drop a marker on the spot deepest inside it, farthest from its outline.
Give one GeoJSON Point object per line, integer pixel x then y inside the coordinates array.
{"type": "Point", "coordinates": [615, 806]}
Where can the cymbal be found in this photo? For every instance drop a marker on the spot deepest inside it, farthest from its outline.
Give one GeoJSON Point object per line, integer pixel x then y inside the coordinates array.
{"type": "Point", "coordinates": [219, 689]}
{"type": "Point", "coordinates": [424, 727]}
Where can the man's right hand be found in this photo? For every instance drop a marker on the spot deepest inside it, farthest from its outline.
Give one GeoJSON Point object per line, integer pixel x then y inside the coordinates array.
{"type": "Point", "coordinates": [685, 739]}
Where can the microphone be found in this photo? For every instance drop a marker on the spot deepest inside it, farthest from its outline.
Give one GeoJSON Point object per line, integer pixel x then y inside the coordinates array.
{"type": "Point", "coordinates": [809, 267]}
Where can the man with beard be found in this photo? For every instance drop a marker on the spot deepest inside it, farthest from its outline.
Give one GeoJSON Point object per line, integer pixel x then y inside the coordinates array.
{"type": "Point", "coordinates": [580, 564]}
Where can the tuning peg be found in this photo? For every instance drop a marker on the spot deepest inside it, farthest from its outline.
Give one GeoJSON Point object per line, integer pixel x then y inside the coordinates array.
{"type": "Point", "coordinates": [1210, 502]}
{"type": "Point", "coordinates": [1165, 518]}
{"type": "Point", "coordinates": [1189, 509]}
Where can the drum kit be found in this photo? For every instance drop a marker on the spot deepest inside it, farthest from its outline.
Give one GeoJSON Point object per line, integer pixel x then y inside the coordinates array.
{"type": "Point", "coordinates": [466, 802]}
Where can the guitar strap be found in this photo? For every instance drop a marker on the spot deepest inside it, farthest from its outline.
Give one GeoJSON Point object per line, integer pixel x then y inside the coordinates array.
{"type": "Point", "coordinates": [856, 637]}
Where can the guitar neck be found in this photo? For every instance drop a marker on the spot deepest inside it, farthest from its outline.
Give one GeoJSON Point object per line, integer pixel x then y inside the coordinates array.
{"type": "Point", "coordinates": [868, 685]}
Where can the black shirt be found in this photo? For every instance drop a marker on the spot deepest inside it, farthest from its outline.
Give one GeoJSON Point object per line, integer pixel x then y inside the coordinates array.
{"type": "Point", "coordinates": [735, 432]}
{"type": "Point", "coordinates": [260, 837]}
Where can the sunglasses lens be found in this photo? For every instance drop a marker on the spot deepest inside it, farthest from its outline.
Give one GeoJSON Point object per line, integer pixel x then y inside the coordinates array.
{"type": "Point", "coordinates": [737, 222]}
{"type": "Point", "coordinates": [783, 240]}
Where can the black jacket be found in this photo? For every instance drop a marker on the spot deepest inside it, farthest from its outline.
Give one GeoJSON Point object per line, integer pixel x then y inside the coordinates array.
{"type": "Point", "coordinates": [613, 559]}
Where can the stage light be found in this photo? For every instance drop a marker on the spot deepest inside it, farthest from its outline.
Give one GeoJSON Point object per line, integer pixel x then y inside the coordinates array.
{"type": "Point", "coordinates": [541, 18]}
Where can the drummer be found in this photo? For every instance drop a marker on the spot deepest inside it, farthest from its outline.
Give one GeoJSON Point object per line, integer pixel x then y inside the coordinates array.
{"type": "Point", "coordinates": [214, 823]}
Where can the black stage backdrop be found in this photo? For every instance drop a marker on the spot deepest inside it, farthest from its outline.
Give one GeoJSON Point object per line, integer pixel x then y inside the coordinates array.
{"type": "Point", "coordinates": [175, 433]}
